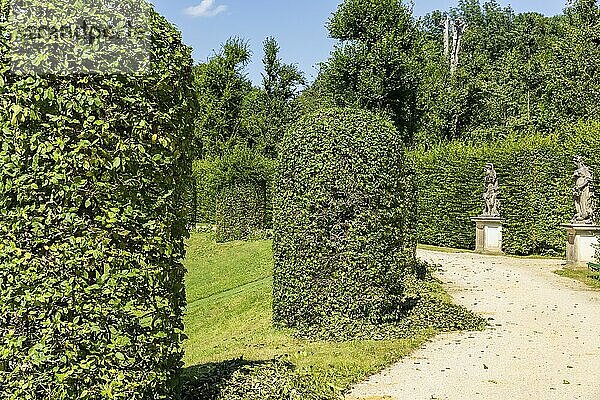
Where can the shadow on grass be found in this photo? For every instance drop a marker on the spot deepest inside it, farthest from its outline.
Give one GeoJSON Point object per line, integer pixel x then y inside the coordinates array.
{"type": "Point", "coordinates": [253, 380]}
{"type": "Point", "coordinates": [208, 381]}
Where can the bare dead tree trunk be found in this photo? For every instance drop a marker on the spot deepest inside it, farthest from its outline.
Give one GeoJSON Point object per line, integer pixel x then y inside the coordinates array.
{"type": "Point", "coordinates": [458, 29]}
{"type": "Point", "coordinates": [447, 37]}
{"type": "Point", "coordinates": [454, 42]}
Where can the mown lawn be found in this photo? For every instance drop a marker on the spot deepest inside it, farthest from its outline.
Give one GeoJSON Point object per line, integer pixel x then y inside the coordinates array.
{"type": "Point", "coordinates": [229, 316]}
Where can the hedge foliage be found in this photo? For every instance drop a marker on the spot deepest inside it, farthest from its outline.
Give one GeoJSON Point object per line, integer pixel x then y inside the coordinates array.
{"type": "Point", "coordinates": [344, 221]}
{"type": "Point", "coordinates": [427, 307]}
{"type": "Point", "coordinates": [258, 380]}
{"type": "Point", "coordinates": [93, 174]}
{"type": "Point", "coordinates": [535, 188]}
{"type": "Point", "coordinates": [205, 194]}
{"type": "Point", "coordinates": [234, 192]}
{"type": "Point", "coordinates": [240, 211]}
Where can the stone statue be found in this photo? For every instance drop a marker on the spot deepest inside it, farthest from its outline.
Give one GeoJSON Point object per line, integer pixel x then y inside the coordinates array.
{"type": "Point", "coordinates": [492, 204]}
{"type": "Point", "coordinates": [583, 193]}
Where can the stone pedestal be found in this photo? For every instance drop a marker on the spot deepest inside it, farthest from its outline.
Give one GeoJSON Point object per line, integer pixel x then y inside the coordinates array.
{"type": "Point", "coordinates": [489, 234]}
{"type": "Point", "coordinates": [581, 244]}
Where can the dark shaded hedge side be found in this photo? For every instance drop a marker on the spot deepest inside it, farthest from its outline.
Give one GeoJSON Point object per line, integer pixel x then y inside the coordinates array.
{"type": "Point", "coordinates": [93, 173]}
{"type": "Point", "coordinates": [240, 211]}
{"type": "Point", "coordinates": [535, 189]}
{"type": "Point", "coordinates": [204, 191]}
{"type": "Point", "coordinates": [233, 192]}
{"type": "Point", "coordinates": [344, 221]}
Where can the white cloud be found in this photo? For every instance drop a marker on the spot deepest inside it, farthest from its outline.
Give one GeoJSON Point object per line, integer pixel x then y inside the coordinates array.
{"type": "Point", "coordinates": [207, 8]}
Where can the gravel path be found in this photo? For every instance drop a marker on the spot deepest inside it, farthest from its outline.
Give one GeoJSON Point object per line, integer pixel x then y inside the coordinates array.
{"type": "Point", "coordinates": [544, 343]}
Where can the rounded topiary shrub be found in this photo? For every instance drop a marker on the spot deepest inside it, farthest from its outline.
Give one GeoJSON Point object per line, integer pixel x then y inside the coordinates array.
{"type": "Point", "coordinates": [93, 175]}
{"type": "Point", "coordinates": [344, 222]}
{"type": "Point", "coordinates": [240, 183]}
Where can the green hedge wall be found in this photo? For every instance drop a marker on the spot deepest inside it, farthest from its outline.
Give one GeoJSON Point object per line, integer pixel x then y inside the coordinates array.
{"type": "Point", "coordinates": [240, 211]}
{"type": "Point", "coordinates": [206, 180]}
{"type": "Point", "coordinates": [234, 192]}
{"type": "Point", "coordinates": [535, 188]}
{"type": "Point", "coordinates": [93, 174]}
{"type": "Point", "coordinates": [205, 191]}
{"type": "Point", "coordinates": [344, 221]}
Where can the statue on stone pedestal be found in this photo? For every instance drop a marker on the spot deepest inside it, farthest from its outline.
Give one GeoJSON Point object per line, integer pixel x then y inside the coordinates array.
{"type": "Point", "coordinates": [492, 203]}
{"type": "Point", "coordinates": [583, 193]}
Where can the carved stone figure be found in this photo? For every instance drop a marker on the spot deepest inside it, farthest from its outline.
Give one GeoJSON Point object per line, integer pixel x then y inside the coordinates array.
{"type": "Point", "coordinates": [583, 193]}
{"type": "Point", "coordinates": [492, 203]}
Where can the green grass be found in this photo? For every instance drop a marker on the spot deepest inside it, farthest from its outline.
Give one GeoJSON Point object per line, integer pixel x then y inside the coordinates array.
{"type": "Point", "coordinates": [215, 268]}
{"type": "Point", "coordinates": [229, 316]}
{"type": "Point", "coordinates": [592, 279]}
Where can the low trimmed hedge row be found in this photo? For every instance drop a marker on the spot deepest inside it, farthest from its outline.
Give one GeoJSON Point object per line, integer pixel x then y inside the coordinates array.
{"type": "Point", "coordinates": [535, 175]}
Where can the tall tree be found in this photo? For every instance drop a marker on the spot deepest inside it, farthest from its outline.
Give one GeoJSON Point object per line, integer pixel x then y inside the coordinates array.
{"type": "Point", "coordinates": [270, 108]}
{"type": "Point", "coordinates": [583, 13]}
{"type": "Point", "coordinates": [280, 81]}
{"type": "Point", "coordinates": [222, 88]}
{"type": "Point", "coordinates": [376, 66]}
{"type": "Point", "coordinates": [498, 86]}
{"type": "Point", "coordinates": [573, 66]}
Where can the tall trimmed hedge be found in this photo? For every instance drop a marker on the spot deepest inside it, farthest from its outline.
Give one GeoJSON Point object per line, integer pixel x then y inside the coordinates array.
{"type": "Point", "coordinates": [234, 193]}
{"type": "Point", "coordinates": [240, 210]}
{"type": "Point", "coordinates": [344, 221]}
{"type": "Point", "coordinates": [241, 179]}
{"type": "Point", "coordinates": [93, 174]}
{"type": "Point", "coordinates": [205, 200]}
{"type": "Point", "coordinates": [535, 188]}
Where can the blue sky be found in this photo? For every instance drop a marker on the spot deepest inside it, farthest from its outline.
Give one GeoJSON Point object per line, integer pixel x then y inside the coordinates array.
{"type": "Point", "coordinates": [298, 26]}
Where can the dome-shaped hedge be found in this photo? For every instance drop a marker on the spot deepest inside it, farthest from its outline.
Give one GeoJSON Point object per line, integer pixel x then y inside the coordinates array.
{"type": "Point", "coordinates": [344, 221]}
{"type": "Point", "coordinates": [93, 173]}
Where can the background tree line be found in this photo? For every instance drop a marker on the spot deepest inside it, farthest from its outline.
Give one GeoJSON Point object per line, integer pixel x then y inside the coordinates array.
{"type": "Point", "coordinates": [513, 75]}
{"type": "Point", "coordinates": [235, 112]}
{"type": "Point", "coordinates": [517, 72]}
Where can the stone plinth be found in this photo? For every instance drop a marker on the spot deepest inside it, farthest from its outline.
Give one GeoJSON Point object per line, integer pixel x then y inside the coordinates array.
{"type": "Point", "coordinates": [581, 244]}
{"type": "Point", "coordinates": [489, 234]}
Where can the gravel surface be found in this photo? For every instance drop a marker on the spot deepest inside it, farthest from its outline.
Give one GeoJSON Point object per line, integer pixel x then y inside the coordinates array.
{"type": "Point", "coordinates": [543, 343]}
